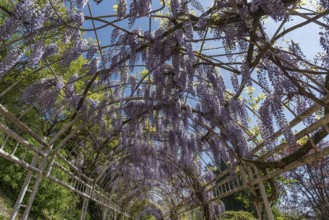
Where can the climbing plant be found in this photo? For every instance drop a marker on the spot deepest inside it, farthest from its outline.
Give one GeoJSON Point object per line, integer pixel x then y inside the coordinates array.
{"type": "Point", "coordinates": [176, 83]}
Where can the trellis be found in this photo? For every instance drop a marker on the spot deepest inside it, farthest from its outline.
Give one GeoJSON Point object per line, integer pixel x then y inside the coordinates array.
{"type": "Point", "coordinates": [44, 164]}
{"type": "Point", "coordinates": [250, 173]}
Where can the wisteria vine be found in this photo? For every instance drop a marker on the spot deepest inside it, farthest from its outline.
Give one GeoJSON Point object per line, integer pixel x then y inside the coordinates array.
{"type": "Point", "coordinates": [158, 102]}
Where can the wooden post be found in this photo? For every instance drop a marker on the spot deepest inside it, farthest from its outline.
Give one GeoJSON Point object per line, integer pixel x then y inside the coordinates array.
{"type": "Point", "coordinates": [259, 212]}
{"type": "Point", "coordinates": [264, 197]}
{"type": "Point", "coordinates": [84, 209]}
{"type": "Point", "coordinates": [21, 195]}
{"type": "Point", "coordinates": [266, 202]}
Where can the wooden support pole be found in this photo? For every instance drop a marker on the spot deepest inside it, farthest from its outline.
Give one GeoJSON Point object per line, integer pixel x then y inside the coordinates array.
{"type": "Point", "coordinates": [85, 204]}
{"type": "Point", "coordinates": [264, 196]}
{"type": "Point", "coordinates": [84, 209]}
{"type": "Point", "coordinates": [21, 195]}
{"type": "Point", "coordinates": [266, 202]}
{"type": "Point", "coordinates": [258, 210]}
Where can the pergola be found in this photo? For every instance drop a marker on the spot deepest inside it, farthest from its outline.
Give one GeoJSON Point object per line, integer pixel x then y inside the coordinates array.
{"type": "Point", "coordinates": [160, 99]}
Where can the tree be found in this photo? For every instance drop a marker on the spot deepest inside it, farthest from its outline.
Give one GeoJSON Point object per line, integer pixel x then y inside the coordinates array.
{"type": "Point", "coordinates": [309, 185]}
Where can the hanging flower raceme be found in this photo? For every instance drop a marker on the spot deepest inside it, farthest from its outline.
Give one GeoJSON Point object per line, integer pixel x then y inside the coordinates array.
{"type": "Point", "coordinates": [138, 8]}
{"type": "Point", "coordinates": [272, 109]}
{"type": "Point", "coordinates": [122, 8]}
{"type": "Point", "coordinates": [9, 27]}
{"type": "Point", "coordinates": [10, 60]}
{"type": "Point", "coordinates": [36, 54]}
{"type": "Point", "coordinates": [43, 94]}
{"type": "Point", "coordinates": [31, 14]}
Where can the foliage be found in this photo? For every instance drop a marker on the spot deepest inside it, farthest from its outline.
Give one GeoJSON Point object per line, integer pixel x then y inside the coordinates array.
{"type": "Point", "coordinates": [137, 207]}
{"type": "Point", "coordinates": [51, 200]}
{"type": "Point", "coordinates": [148, 217]}
{"type": "Point", "coordinates": [239, 202]}
{"type": "Point", "coordinates": [238, 215]}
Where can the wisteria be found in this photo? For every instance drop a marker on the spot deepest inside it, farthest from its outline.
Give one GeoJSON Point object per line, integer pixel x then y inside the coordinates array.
{"type": "Point", "coordinates": [9, 27]}
{"type": "Point", "coordinates": [10, 60]}
{"type": "Point", "coordinates": [24, 10]}
{"type": "Point", "coordinates": [43, 94]}
{"type": "Point", "coordinates": [174, 94]}
{"type": "Point", "coordinates": [37, 54]}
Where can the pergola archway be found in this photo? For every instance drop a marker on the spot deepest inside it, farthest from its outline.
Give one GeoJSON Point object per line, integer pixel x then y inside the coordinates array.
{"type": "Point", "coordinates": [143, 113]}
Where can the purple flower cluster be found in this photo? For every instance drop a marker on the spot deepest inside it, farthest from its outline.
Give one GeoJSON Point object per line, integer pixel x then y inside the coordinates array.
{"type": "Point", "coordinates": [72, 52]}
{"type": "Point", "coordinates": [115, 34]}
{"type": "Point", "coordinates": [36, 54]}
{"type": "Point", "coordinates": [24, 10]}
{"type": "Point", "coordinates": [122, 8]}
{"type": "Point", "coordinates": [75, 21]}
{"type": "Point", "coordinates": [217, 210]}
{"type": "Point", "coordinates": [246, 74]}
{"type": "Point", "coordinates": [281, 83]}
{"type": "Point", "coordinates": [9, 27]}
{"type": "Point", "coordinates": [43, 94]}
{"type": "Point", "coordinates": [209, 176]}
{"type": "Point", "coordinates": [29, 12]}
{"type": "Point", "coordinates": [302, 104]}
{"type": "Point", "coordinates": [238, 111]}
{"type": "Point", "coordinates": [145, 7]}
{"type": "Point", "coordinates": [235, 82]}
{"type": "Point", "coordinates": [132, 41]}
{"type": "Point", "coordinates": [69, 87]}
{"type": "Point", "coordinates": [324, 4]}
{"type": "Point", "coordinates": [139, 8]}
{"type": "Point", "coordinates": [175, 6]}
{"type": "Point", "coordinates": [296, 50]}
{"type": "Point", "coordinates": [272, 109]}
{"type": "Point", "coordinates": [10, 60]}
{"type": "Point", "coordinates": [92, 50]}
{"type": "Point", "coordinates": [162, 49]}
{"type": "Point", "coordinates": [324, 40]}
{"type": "Point", "coordinates": [93, 66]}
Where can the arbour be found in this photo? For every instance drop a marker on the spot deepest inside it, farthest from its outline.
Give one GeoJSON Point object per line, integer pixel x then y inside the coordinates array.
{"type": "Point", "coordinates": [178, 108]}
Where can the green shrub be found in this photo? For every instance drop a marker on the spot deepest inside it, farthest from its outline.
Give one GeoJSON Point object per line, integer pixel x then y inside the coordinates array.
{"type": "Point", "coordinates": [238, 215]}
{"type": "Point", "coordinates": [51, 199]}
